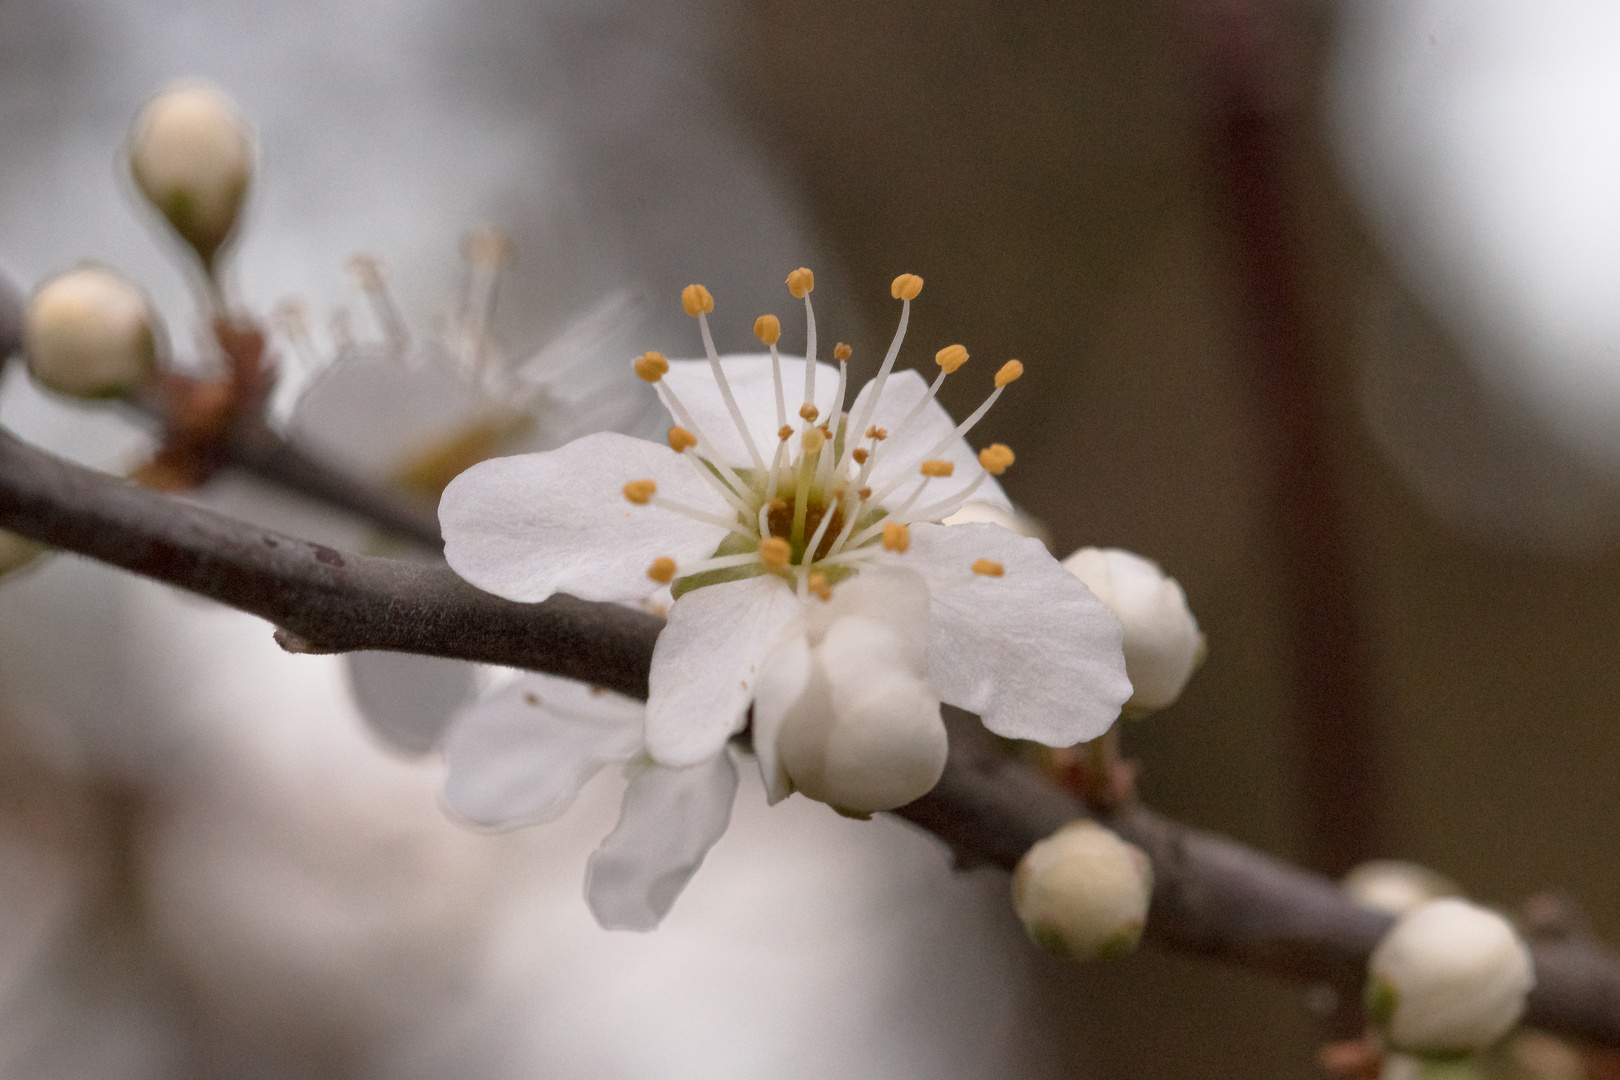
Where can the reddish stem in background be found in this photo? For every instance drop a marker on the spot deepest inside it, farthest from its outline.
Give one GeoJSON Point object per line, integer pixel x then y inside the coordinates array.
{"type": "Point", "coordinates": [1247, 55]}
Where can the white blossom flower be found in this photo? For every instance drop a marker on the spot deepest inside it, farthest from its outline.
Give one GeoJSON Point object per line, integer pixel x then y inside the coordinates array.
{"type": "Point", "coordinates": [1449, 978]}
{"type": "Point", "coordinates": [761, 522]}
{"type": "Point", "coordinates": [1163, 645]}
{"type": "Point", "coordinates": [747, 540]}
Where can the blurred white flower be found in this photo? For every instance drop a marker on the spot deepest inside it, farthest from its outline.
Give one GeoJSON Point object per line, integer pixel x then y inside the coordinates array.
{"type": "Point", "coordinates": [1162, 643]}
{"type": "Point", "coordinates": [90, 333]}
{"type": "Point", "coordinates": [1083, 892]}
{"type": "Point", "coordinates": [748, 541]}
{"type": "Point", "coordinates": [1449, 978]}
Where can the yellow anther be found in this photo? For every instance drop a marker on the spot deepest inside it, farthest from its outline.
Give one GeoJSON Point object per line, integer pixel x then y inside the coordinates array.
{"type": "Point", "coordinates": [989, 568]}
{"type": "Point", "coordinates": [875, 432]}
{"type": "Point", "coordinates": [813, 440]}
{"type": "Point", "coordinates": [486, 247]}
{"type": "Point", "coordinates": [896, 537]}
{"type": "Point", "coordinates": [860, 455]}
{"type": "Point", "coordinates": [801, 283]}
{"type": "Point", "coordinates": [785, 432]}
{"type": "Point", "coordinates": [768, 329]}
{"type": "Point", "coordinates": [367, 270]}
{"type": "Point", "coordinates": [774, 553]}
{"type": "Point", "coordinates": [1009, 372]}
{"type": "Point", "coordinates": [680, 439]}
{"type": "Point", "coordinates": [841, 351]}
{"type": "Point", "coordinates": [995, 458]}
{"type": "Point", "coordinates": [906, 287]}
{"type": "Point", "coordinates": [937, 468]}
{"type": "Point", "coordinates": [951, 357]}
{"type": "Point", "coordinates": [640, 492]}
{"type": "Point", "coordinates": [696, 300]}
{"type": "Point", "coordinates": [808, 411]}
{"type": "Point", "coordinates": [865, 493]}
{"type": "Point", "coordinates": [817, 583]}
{"type": "Point", "coordinates": [662, 570]}
{"type": "Point", "coordinates": [652, 366]}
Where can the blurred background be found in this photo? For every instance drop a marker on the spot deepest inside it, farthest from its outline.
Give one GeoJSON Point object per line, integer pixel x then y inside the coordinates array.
{"type": "Point", "coordinates": [1317, 303]}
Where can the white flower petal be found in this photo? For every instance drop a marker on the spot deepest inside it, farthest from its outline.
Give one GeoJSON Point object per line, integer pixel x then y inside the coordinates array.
{"type": "Point", "coordinates": [908, 445]}
{"type": "Point", "coordinates": [408, 700]}
{"type": "Point", "coordinates": [528, 526]}
{"type": "Point", "coordinates": [783, 680]}
{"type": "Point", "coordinates": [521, 755]}
{"type": "Point", "coordinates": [707, 661]}
{"type": "Point", "coordinates": [755, 390]}
{"type": "Point", "coordinates": [670, 820]}
{"type": "Point", "coordinates": [1033, 651]}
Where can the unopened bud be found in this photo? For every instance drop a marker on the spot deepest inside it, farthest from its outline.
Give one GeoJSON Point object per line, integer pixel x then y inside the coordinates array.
{"type": "Point", "coordinates": [191, 154]}
{"type": "Point", "coordinates": [1449, 978]}
{"type": "Point", "coordinates": [90, 333]}
{"type": "Point", "coordinates": [1083, 892]}
{"type": "Point", "coordinates": [1162, 642]}
{"type": "Point", "coordinates": [1396, 887]}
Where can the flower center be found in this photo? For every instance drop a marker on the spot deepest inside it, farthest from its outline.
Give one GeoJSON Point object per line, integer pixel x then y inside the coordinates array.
{"type": "Point", "coordinates": [808, 512]}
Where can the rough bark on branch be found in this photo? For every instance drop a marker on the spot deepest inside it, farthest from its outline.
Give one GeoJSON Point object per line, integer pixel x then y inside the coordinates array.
{"type": "Point", "coordinates": [1212, 897]}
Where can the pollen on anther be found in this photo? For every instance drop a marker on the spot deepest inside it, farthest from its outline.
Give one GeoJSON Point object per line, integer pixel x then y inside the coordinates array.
{"type": "Point", "coordinates": [860, 455]}
{"type": "Point", "coordinates": [841, 351]}
{"type": "Point", "coordinates": [680, 439]}
{"type": "Point", "coordinates": [817, 583]}
{"type": "Point", "coordinates": [1009, 372]}
{"type": "Point", "coordinates": [486, 247]}
{"type": "Point", "coordinates": [696, 300]}
{"type": "Point", "coordinates": [875, 432]}
{"type": "Point", "coordinates": [951, 357]}
{"type": "Point", "coordinates": [801, 282]}
{"type": "Point", "coordinates": [774, 553]}
{"type": "Point", "coordinates": [367, 270]}
{"type": "Point", "coordinates": [652, 366]}
{"type": "Point", "coordinates": [768, 328]}
{"type": "Point", "coordinates": [785, 432]}
{"type": "Point", "coordinates": [641, 492]}
{"type": "Point", "coordinates": [808, 411]}
{"type": "Point", "coordinates": [896, 537]}
{"type": "Point", "coordinates": [662, 570]}
{"type": "Point", "coordinates": [906, 287]}
{"type": "Point", "coordinates": [865, 493]}
{"type": "Point", "coordinates": [813, 440]}
{"type": "Point", "coordinates": [937, 468]}
{"type": "Point", "coordinates": [995, 458]}
{"type": "Point", "coordinates": [988, 568]}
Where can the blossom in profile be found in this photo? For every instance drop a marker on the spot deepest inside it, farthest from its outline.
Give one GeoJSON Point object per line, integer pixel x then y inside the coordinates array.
{"type": "Point", "coordinates": [811, 576]}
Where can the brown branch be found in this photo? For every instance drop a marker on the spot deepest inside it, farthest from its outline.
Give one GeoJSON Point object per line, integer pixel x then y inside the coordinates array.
{"type": "Point", "coordinates": [1212, 897]}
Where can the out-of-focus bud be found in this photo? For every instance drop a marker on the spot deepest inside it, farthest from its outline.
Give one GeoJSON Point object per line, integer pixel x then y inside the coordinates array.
{"type": "Point", "coordinates": [1013, 520]}
{"type": "Point", "coordinates": [1083, 892]}
{"type": "Point", "coordinates": [868, 735]}
{"type": "Point", "coordinates": [90, 333]}
{"type": "Point", "coordinates": [1162, 643]}
{"type": "Point", "coordinates": [1449, 978]}
{"type": "Point", "coordinates": [16, 552]}
{"type": "Point", "coordinates": [191, 154]}
{"type": "Point", "coordinates": [1410, 1067]}
{"type": "Point", "coordinates": [1396, 887]}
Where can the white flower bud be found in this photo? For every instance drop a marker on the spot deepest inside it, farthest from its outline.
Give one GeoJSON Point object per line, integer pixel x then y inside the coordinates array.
{"type": "Point", "coordinates": [1396, 887]}
{"type": "Point", "coordinates": [1449, 978]}
{"type": "Point", "coordinates": [191, 154]}
{"type": "Point", "coordinates": [1083, 892]}
{"type": "Point", "coordinates": [1162, 642]}
{"type": "Point", "coordinates": [90, 333]}
{"type": "Point", "coordinates": [867, 735]}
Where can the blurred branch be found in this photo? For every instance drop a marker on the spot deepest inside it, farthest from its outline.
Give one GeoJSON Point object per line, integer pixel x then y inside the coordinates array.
{"type": "Point", "coordinates": [1212, 897]}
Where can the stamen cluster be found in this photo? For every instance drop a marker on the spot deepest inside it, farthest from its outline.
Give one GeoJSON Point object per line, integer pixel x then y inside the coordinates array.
{"type": "Point", "coordinates": [806, 510]}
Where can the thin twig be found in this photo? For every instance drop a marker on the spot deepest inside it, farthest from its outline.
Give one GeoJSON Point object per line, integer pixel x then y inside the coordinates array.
{"type": "Point", "coordinates": [1212, 897]}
